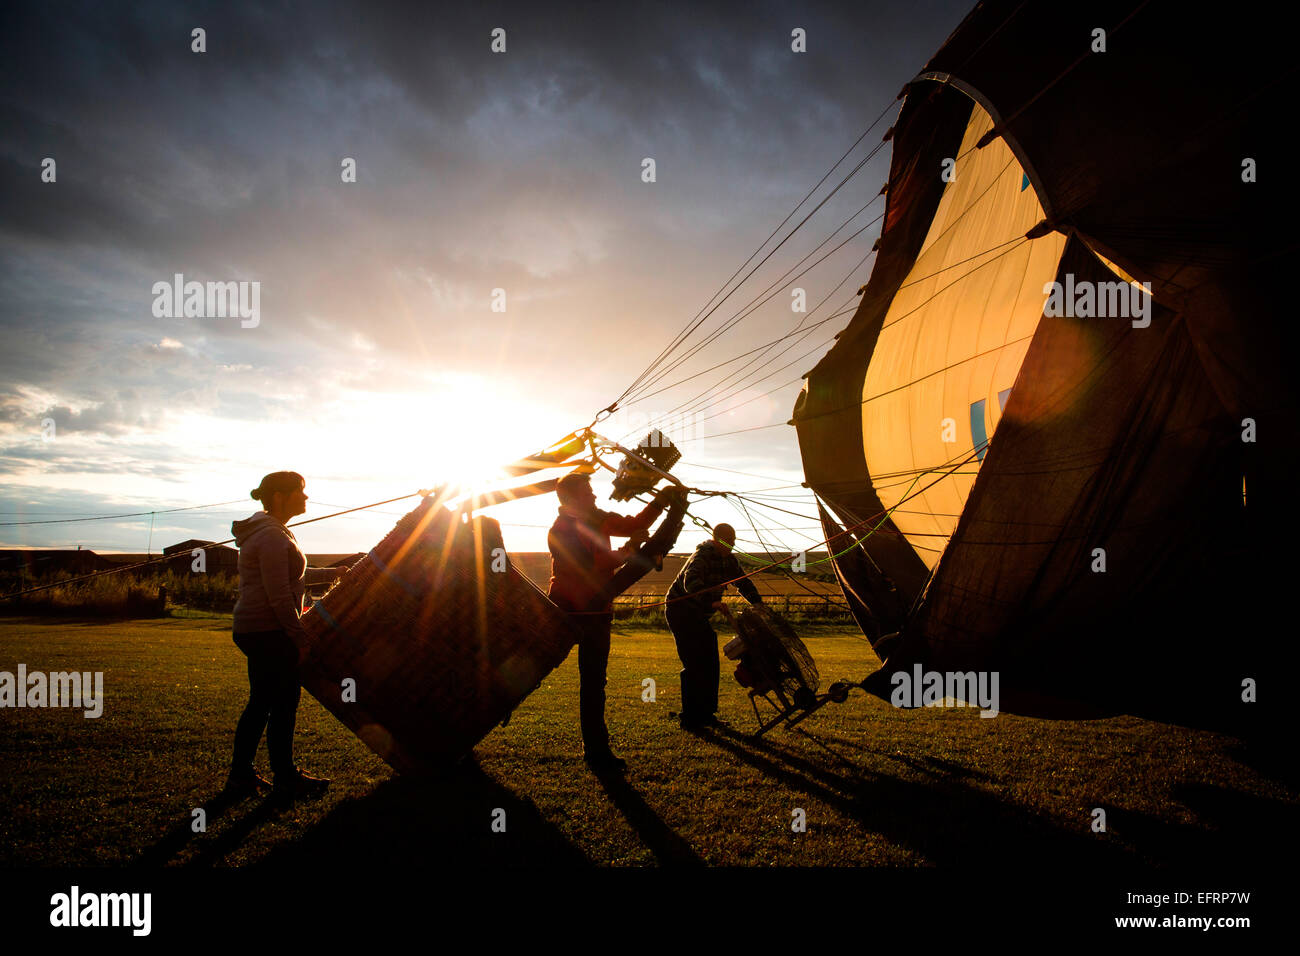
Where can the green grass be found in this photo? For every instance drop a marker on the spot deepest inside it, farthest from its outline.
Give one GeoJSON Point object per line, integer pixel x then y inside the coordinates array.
{"type": "Point", "coordinates": [879, 786]}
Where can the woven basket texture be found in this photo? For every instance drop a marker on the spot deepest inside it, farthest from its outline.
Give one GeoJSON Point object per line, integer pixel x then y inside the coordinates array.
{"type": "Point", "coordinates": [441, 646]}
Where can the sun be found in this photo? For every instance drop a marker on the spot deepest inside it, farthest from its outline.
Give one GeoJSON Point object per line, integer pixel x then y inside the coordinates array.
{"type": "Point", "coordinates": [435, 440]}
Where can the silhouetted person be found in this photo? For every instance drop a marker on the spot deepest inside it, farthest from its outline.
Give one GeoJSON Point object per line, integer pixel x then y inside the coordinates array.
{"type": "Point", "coordinates": [582, 564]}
{"type": "Point", "coordinates": [695, 594]}
{"type": "Point", "coordinates": [268, 629]}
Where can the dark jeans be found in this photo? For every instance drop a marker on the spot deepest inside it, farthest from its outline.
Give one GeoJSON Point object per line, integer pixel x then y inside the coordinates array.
{"type": "Point", "coordinates": [593, 662]}
{"type": "Point", "coordinates": [274, 688]}
{"type": "Point", "coordinates": [697, 646]}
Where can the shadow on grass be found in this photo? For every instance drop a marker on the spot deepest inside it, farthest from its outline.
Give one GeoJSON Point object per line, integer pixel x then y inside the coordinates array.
{"type": "Point", "coordinates": [667, 846]}
{"type": "Point", "coordinates": [943, 820]}
{"type": "Point", "coordinates": [405, 821]}
{"type": "Point", "coordinates": [1242, 831]}
{"type": "Point", "coordinates": [413, 820]}
{"type": "Point", "coordinates": [1270, 756]}
{"type": "Point", "coordinates": [216, 806]}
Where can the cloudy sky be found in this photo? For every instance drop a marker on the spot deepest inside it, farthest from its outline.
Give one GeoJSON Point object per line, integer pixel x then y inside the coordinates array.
{"type": "Point", "coordinates": [377, 364]}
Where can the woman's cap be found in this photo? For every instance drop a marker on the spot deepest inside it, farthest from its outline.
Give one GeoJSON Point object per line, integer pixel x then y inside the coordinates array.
{"type": "Point", "coordinates": [278, 482]}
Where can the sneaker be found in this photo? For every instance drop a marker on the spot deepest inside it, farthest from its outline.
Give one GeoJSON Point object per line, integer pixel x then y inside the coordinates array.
{"type": "Point", "coordinates": [245, 783]}
{"type": "Point", "coordinates": [296, 785]}
{"type": "Point", "coordinates": [605, 761]}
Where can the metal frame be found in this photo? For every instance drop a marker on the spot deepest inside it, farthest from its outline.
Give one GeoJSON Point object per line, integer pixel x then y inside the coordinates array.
{"type": "Point", "coordinates": [786, 713]}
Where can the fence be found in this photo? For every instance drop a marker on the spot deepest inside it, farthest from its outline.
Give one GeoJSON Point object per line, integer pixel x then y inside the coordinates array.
{"type": "Point", "coordinates": [804, 606]}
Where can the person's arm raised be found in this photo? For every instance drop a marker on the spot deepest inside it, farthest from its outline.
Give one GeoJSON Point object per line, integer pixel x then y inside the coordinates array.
{"type": "Point", "coordinates": [627, 525]}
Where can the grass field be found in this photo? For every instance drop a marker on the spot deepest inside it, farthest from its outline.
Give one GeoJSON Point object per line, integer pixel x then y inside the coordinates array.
{"type": "Point", "coordinates": [879, 786]}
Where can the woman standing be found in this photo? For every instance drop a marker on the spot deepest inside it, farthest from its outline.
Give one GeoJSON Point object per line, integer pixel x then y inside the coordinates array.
{"type": "Point", "coordinates": [268, 629]}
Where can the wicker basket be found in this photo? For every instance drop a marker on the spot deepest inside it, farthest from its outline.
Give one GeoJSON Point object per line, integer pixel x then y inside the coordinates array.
{"type": "Point", "coordinates": [441, 646]}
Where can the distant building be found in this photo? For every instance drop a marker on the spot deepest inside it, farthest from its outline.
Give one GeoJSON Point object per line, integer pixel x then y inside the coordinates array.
{"type": "Point", "coordinates": [38, 562]}
{"type": "Point", "coordinates": [218, 558]}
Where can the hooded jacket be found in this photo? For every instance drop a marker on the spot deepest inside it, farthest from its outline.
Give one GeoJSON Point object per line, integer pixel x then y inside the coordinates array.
{"type": "Point", "coordinates": [271, 569]}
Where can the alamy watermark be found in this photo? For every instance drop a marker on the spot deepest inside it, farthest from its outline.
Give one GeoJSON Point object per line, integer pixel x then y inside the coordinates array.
{"type": "Point", "coordinates": [921, 688]}
{"type": "Point", "coordinates": [58, 689]}
{"type": "Point", "coordinates": [635, 424]}
{"type": "Point", "coordinates": [208, 300]}
{"type": "Point", "coordinates": [75, 908]}
{"type": "Point", "coordinates": [1101, 300]}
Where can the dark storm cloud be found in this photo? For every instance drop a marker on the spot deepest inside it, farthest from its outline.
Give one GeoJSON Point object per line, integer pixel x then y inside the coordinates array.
{"type": "Point", "coordinates": [164, 150]}
{"type": "Point", "coordinates": [476, 171]}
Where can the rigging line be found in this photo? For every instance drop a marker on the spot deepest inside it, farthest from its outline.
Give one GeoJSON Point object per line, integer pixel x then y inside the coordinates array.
{"type": "Point", "coordinates": [714, 335]}
{"type": "Point", "coordinates": [748, 474]}
{"type": "Point", "coordinates": [997, 177]}
{"type": "Point", "coordinates": [737, 432]}
{"type": "Point", "coordinates": [758, 530]}
{"type": "Point", "coordinates": [965, 275]}
{"type": "Point", "coordinates": [798, 328]}
{"type": "Point", "coordinates": [678, 338]}
{"type": "Point", "coordinates": [764, 504]}
{"type": "Point", "coordinates": [946, 230]}
{"type": "Point", "coordinates": [820, 345]}
{"type": "Point", "coordinates": [737, 358]}
{"type": "Point", "coordinates": [754, 398]}
{"type": "Point", "coordinates": [895, 322]}
{"type": "Point", "coordinates": [952, 468]}
{"type": "Point", "coordinates": [172, 557]}
{"type": "Point", "coordinates": [946, 368]}
{"type": "Point", "coordinates": [134, 514]}
{"type": "Point", "coordinates": [856, 542]}
{"type": "Point", "coordinates": [764, 488]}
{"type": "Point", "coordinates": [922, 305]}
{"type": "Point", "coordinates": [780, 566]}
{"type": "Point", "coordinates": [750, 307]}
{"type": "Point", "coordinates": [1088, 457]}
{"type": "Point", "coordinates": [774, 290]}
{"type": "Point", "coordinates": [740, 405]}
{"type": "Point", "coordinates": [749, 369]}
{"type": "Point", "coordinates": [921, 471]}
{"type": "Point", "coordinates": [785, 495]}
{"type": "Point", "coordinates": [959, 262]}
{"type": "Point", "coordinates": [752, 492]}
{"type": "Point", "coordinates": [782, 524]}
{"type": "Point", "coordinates": [391, 514]}
{"type": "Point", "coordinates": [757, 397]}
{"type": "Point", "coordinates": [779, 501]}
{"type": "Point", "coordinates": [917, 308]}
{"type": "Point", "coordinates": [775, 499]}
{"type": "Point", "coordinates": [663, 419]}
{"type": "Point", "coordinates": [682, 335]}
{"type": "Point", "coordinates": [87, 514]}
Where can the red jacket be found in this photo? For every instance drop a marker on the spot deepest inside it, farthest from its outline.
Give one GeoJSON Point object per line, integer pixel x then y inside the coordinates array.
{"type": "Point", "coordinates": [582, 561]}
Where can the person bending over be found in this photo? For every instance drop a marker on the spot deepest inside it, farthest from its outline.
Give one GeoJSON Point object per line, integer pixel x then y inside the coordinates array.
{"type": "Point", "coordinates": [695, 594]}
